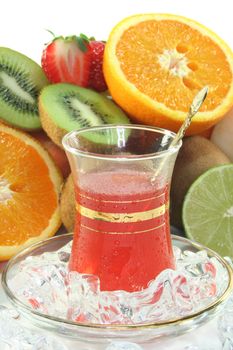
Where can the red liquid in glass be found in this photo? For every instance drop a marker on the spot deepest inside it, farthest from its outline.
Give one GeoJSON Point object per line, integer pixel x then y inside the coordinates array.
{"type": "Point", "coordinates": [122, 229]}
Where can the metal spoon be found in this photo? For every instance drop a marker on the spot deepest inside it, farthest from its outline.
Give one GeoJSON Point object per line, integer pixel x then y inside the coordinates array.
{"type": "Point", "coordinates": [195, 106]}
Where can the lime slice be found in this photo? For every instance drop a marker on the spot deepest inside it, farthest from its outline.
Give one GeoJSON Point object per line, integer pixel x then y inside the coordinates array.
{"type": "Point", "coordinates": [208, 210]}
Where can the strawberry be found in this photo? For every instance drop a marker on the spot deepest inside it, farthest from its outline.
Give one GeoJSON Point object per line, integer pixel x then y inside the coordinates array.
{"type": "Point", "coordinates": [96, 78]}
{"type": "Point", "coordinates": [75, 59]}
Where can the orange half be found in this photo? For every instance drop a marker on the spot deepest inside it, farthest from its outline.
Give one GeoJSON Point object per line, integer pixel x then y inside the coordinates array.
{"type": "Point", "coordinates": [154, 65]}
{"type": "Point", "coordinates": [29, 189]}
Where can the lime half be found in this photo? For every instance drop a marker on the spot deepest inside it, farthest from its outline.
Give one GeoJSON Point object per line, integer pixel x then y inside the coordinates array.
{"type": "Point", "coordinates": [208, 210]}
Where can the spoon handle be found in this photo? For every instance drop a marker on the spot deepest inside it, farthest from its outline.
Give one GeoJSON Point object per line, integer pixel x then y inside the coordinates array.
{"type": "Point", "coordinates": [196, 104]}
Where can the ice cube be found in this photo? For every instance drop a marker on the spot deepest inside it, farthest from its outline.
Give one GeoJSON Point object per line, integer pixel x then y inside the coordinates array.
{"type": "Point", "coordinates": [123, 346]}
{"type": "Point", "coordinates": [225, 325]}
{"type": "Point", "coordinates": [196, 347]}
{"type": "Point", "coordinates": [227, 344]}
{"type": "Point", "coordinates": [17, 337]}
{"type": "Point", "coordinates": [83, 292]}
{"type": "Point", "coordinates": [11, 312]}
{"type": "Point", "coordinates": [64, 252]}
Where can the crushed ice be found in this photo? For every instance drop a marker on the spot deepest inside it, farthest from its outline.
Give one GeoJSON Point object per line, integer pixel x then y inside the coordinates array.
{"type": "Point", "coordinates": [17, 337]}
{"type": "Point", "coordinates": [45, 284]}
{"type": "Point", "coordinates": [123, 346]}
{"type": "Point", "coordinates": [225, 321]}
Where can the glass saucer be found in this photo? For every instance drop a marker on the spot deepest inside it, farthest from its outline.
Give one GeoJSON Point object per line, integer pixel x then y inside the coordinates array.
{"type": "Point", "coordinates": [99, 333]}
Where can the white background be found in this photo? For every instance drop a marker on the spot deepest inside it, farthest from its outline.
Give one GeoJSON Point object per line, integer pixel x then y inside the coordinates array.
{"type": "Point", "coordinates": [23, 23]}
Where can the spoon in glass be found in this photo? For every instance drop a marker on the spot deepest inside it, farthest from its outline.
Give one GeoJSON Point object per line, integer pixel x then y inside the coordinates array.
{"type": "Point", "coordinates": [194, 108]}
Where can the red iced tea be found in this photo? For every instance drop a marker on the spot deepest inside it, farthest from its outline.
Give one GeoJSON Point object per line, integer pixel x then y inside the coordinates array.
{"type": "Point", "coordinates": [122, 229]}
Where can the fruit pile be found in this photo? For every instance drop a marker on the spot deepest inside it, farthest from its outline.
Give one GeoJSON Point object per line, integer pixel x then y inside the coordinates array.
{"type": "Point", "coordinates": [147, 72]}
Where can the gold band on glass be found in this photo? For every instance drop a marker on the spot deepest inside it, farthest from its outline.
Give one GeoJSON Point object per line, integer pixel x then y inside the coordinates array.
{"type": "Point", "coordinates": [122, 217]}
{"type": "Point", "coordinates": [122, 233]}
{"type": "Point", "coordinates": [122, 201]}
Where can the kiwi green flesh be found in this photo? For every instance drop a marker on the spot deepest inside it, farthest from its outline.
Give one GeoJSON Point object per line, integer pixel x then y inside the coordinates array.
{"type": "Point", "coordinates": [21, 80]}
{"type": "Point", "coordinates": [72, 107]}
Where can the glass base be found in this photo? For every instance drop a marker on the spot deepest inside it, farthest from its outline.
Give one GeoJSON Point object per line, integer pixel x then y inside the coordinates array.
{"type": "Point", "coordinates": [101, 333]}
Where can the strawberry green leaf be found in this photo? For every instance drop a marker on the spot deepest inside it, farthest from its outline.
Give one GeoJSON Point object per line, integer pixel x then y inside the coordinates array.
{"type": "Point", "coordinates": [50, 31]}
{"type": "Point", "coordinates": [82, 43]}
{"type": "Point", "coordinates": [84, 37]}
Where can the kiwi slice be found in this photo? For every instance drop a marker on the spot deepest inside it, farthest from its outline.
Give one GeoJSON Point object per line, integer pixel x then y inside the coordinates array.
{"type": "Point", "coordinates": [67, 107]}
{"type": "Point", "coordinates": [21, 80]}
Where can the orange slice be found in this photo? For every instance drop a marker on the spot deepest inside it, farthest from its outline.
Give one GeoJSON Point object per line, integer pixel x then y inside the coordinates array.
{"type": "Point", "coordinates": [29, 188]}
{"type": "Point", "coordinates": [154, 64]}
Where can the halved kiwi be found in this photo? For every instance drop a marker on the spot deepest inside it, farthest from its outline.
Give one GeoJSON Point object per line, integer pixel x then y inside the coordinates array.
{"type": "Point", "coordinates": [21, 80]}
{"type": "Point", "coordinates": [67, 107]}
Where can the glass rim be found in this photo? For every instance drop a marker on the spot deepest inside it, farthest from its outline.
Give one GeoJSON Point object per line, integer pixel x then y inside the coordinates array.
{"type": "Point", "coordinates": [138, 326]}
{"type": "Point", "coordinates": [118, 157]}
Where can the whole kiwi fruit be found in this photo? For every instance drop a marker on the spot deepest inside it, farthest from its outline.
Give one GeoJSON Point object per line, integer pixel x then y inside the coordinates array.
{"type": "Point", "coordinates": [196, 156]}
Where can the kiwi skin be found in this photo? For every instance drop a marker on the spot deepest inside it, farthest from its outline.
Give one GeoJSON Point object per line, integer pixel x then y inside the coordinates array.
{"type": "Point", "coordinates": [196, 156]}
{"type": "Point", "coordinates": [67, 204]}
{"type": "Point", "coordinates": [52, 130]}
